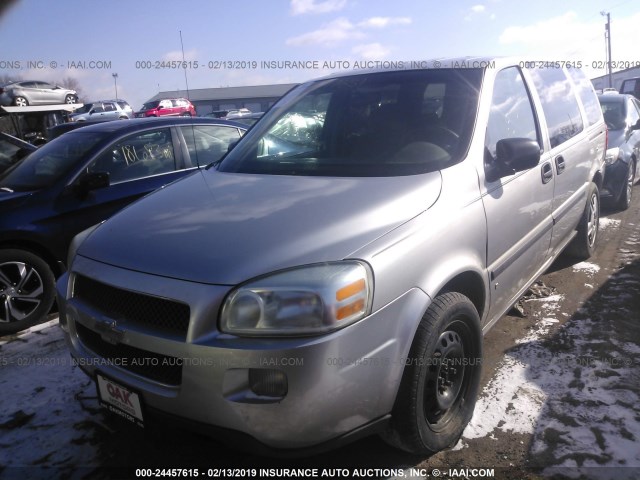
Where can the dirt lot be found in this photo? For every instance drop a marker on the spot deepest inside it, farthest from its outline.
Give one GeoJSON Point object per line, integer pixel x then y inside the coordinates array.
{"type": "Point", "coordinates": [561, 387]}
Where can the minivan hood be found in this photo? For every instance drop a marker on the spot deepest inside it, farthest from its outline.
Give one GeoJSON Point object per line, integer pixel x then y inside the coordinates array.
{"type": "Point", "coordinates": [226, 228]}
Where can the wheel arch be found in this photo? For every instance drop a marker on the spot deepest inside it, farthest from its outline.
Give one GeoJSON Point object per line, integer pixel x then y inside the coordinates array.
{"type": "Point", "coordinates": [598, 179]}
{"type": "Point", "coordinates": [36, 249]}
{"type": "Point", "coordinates": [470, 284]}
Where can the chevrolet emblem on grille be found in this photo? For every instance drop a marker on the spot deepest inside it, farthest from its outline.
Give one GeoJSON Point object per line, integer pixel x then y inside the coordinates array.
{"type": "Point", "coordinates": [109, 331]}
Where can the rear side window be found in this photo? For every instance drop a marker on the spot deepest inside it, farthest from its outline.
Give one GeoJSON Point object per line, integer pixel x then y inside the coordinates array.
{"type": "Point", "coordinates": [511, 113]}
{"type": "Point", "coordinates": [559, 104]}
{"type": "Point", "coordinates": [208, 143]}
{"type": "Point", "coordinates": [587, 95]}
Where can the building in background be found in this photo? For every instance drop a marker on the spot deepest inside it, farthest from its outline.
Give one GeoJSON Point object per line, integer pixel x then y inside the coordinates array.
{"type": "Point", "coordinates": [602, 82]}
{"type": "Point", "coordinates": [256, 98]}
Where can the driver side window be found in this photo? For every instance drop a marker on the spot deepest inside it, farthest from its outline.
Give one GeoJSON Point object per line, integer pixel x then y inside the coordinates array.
{"type": "Point", "coordinates": [137, 156]}
{"type": "Point", "coordinates": [511, 113]}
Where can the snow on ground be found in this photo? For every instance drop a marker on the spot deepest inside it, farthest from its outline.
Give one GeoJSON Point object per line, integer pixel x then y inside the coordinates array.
{"type": "Point", "coordinates": [575, 388]}
{"type": "Point", "coordinates": [590, 268]}
{"type": "Point", "coordinates": [41, 406]}
{"type": "Point", "coordinates": [606, 223]}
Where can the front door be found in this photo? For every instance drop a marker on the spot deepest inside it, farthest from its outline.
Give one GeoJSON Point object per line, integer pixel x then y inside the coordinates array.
{"type": "Point", "coordinates": [518, 206]}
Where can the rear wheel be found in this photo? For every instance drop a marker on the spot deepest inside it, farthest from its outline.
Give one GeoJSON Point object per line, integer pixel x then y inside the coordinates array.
{"type": "Point", "coordinates": [440, 383]}
{"type": "Point", "coordinates": [627, 190]}
{"type": "Point", "coordinates": [584, 244]}
{"type": "Point", "coordinates": [185, 114]}
{"type": "Point", "coordinates": [27, 289]}
{"type": "Point", "coordinates": [20, 102]}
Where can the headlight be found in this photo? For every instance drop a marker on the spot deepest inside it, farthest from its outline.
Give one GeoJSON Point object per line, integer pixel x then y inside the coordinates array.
{"type": "Point", "coordinates": [612, 155]}
{"type": "Point", "coordinates": [303, 301]}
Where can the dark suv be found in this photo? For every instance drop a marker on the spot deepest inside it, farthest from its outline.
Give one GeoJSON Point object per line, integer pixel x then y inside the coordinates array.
{"type": "Point", "coordinates": [631, 86]}
{"type": "Point", "coordinates": [78, 180]}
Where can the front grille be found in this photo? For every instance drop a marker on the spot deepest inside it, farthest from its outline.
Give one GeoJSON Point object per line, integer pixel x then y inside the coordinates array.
{"type": "Point", "coordinates": [155, 366]}
{"type": "Point", "coordinates": [133, 308]}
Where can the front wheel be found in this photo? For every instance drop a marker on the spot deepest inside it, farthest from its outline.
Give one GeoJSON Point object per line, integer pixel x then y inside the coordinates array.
{"type": "Point", "coordinates": [440, 383]}
{"type": "Point", "coordinates": [27, 290]}
{"type": "Point", "coordinates": [69, 99]}
{"type": "Point", "coordinates": [584, 244]}
{"type": "Point", "coordinates": [20, 102]}
{"type": "Point", "coordinates": [627, 189]}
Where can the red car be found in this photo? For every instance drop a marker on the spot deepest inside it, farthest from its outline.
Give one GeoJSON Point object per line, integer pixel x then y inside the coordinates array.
{"type": "Point", "coordinates": [177, 107]}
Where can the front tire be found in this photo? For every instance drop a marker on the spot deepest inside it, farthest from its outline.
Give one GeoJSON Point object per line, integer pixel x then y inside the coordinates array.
{"type": "Point", "coordinates": [624, 201]}
{"type": "Point", "coordinates": [69, 99]}
{"type": "Point", "coordinates": [440, 383]}
{"type": "Point", "coordinates": [27, 290]}
{"type": "Point", "coordinates": [20, 102]}
{"type": "Point", "coordinates": [584, 244]}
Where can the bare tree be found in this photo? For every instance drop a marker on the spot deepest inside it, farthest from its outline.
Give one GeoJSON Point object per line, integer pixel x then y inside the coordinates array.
{"type": "Point", "coordinates": [8, 78]}
{"type": "Point", "coordinates": [73, 84]}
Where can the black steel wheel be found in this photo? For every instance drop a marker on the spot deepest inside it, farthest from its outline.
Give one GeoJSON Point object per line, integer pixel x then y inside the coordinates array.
{"type": "Point", "coordinates": [440, 384]}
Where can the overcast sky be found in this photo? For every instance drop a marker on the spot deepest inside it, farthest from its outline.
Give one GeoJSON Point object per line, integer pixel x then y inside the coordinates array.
{"type": "Point", "coordinates": [91, 40]}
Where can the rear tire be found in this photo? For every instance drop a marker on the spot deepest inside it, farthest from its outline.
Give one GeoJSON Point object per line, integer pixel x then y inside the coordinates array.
{"type": "Point", "coordinates": [440, 383]}
{"type": "Point", "coordinates": [627, 190]}
{"type": "Point", "coordinates": [27, 290]}
{"type": "Point", "coordinates": [584, 244]}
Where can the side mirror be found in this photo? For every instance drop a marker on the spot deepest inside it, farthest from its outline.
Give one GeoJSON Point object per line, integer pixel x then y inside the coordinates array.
{"type": "Point", "coordinates": [92, 181]}
{"type": "Point", "coordinates": [512, 155]}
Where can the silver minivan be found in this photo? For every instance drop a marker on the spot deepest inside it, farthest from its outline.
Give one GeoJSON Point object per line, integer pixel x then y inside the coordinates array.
{"type": "Point", "coordinates": [334, 274]}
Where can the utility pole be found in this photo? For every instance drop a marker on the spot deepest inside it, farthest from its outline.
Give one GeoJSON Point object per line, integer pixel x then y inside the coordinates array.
{"type": "Point", "coordinates": [184, 64]}
{"type": "Point", "coordinates": [115, 81]}
{"type": "Point", "coordinates": [607, 39]}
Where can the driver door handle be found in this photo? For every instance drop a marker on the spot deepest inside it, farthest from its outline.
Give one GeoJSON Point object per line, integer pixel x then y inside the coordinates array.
{"type": "Point", "coordinates": [547, 172]}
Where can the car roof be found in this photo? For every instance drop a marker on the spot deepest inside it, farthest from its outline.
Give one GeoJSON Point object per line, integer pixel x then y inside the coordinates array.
{"type": "Point", "coordinates": [613, 97]}
{"type": "Point", "coordinates": [136, 124]}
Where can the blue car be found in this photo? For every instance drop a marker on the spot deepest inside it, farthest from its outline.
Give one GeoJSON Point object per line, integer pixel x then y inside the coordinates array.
{"type": "Point", "coordinates": [82, 178]}
{"type": "Point", "coordinates": [622, 115]}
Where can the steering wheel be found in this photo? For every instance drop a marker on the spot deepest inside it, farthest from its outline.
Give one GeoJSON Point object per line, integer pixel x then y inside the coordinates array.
{"type": "Point", "coordinates": [442, 136]}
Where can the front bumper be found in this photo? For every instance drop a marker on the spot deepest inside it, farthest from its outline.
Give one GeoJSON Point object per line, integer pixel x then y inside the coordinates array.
{"type": "Point", "coordinates": [337, 383]}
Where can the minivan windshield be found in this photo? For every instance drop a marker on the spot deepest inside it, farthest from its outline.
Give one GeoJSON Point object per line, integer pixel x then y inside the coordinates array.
{"type": "Point", "coordinates": [49, 163]}
{"type": "Point", "coordinates": [375, 124]}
